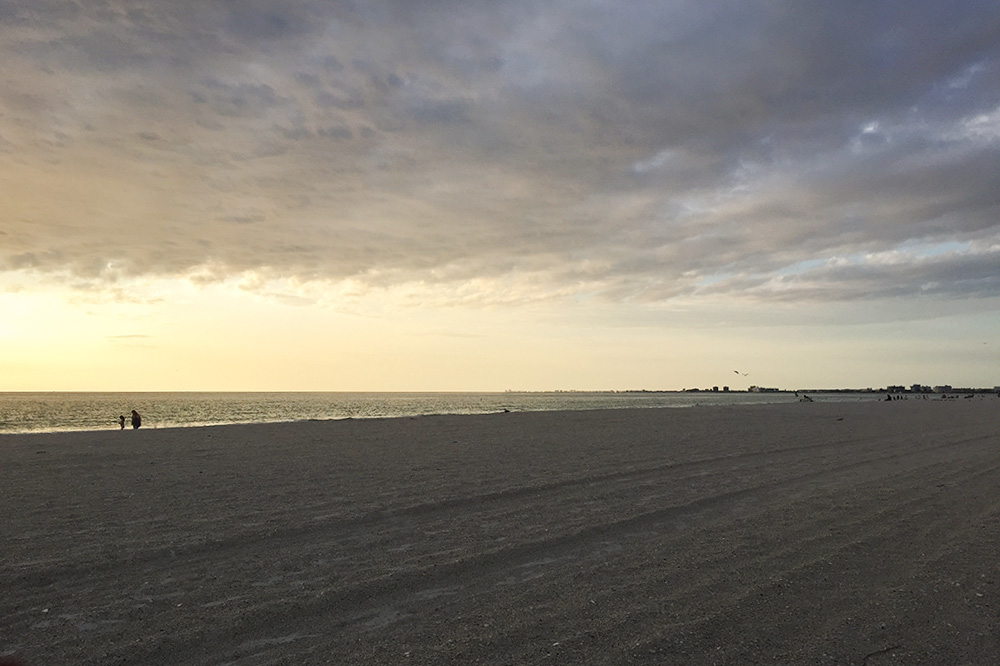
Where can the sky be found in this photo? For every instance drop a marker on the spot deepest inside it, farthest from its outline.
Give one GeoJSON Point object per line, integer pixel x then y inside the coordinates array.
{"type": "Point", "coordinates": [443, 195]}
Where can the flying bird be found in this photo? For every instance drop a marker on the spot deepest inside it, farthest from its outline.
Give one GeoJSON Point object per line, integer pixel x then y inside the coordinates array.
{"type": "Point", "coordinates": [741, 373]}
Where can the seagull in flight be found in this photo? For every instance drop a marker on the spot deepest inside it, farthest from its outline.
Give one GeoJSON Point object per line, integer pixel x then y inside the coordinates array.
{"type": "Point", "coordinates": [744, 374]}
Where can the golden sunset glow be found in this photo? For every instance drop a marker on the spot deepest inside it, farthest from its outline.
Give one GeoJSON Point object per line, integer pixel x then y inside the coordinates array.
{"type": "Point", "coordinates": [472, 197]}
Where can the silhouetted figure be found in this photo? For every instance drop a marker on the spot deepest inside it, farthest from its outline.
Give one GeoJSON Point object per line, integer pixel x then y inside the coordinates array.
{"type": "Point", "coordinates": [121, 421]}
{"type": "Point", "coordinates": [136, 420]}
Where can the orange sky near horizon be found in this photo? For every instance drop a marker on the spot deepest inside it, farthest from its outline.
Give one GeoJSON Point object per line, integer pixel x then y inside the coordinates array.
{"type": "Point", "coordinates": [396, 196]}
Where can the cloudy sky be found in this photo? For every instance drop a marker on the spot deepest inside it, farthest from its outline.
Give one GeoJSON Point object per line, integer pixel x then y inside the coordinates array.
{"type": "Point", "coordinates": [473, 195]}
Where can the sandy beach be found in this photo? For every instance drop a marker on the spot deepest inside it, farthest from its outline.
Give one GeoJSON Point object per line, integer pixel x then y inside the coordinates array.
{"type": "Point", "coordinates": [822, 533]}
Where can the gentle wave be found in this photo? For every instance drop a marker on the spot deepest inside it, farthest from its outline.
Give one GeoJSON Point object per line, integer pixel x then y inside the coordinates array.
{"type": "Point", "coordinates": [54, 412]}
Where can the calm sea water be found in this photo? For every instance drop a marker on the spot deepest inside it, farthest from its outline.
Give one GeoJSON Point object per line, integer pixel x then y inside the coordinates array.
{"type": "Point", "coordinates": [52, 412]}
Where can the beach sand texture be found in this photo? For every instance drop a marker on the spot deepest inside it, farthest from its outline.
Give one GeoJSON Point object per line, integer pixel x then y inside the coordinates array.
{"type": "Point", "coordinates": [823, 533]}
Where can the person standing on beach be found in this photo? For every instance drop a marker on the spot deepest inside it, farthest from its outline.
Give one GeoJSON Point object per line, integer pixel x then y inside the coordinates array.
{"type": "Point", "coordinates": [136, 420]}
{"type": "Point", "coordinates": [121, 421]}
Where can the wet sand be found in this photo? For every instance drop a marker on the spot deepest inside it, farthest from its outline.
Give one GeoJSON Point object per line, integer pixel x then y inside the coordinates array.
{"type": "Point", "coordinates": [818, 533]}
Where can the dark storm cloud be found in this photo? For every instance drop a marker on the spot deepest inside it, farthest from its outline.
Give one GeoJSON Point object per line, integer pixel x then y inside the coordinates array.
{"type": "Point", "coordinates": [641, 151]}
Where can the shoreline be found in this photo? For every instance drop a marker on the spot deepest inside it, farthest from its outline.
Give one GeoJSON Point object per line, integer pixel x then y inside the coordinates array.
{"type": "Point", "coordinates": [736, 534]}
{"type": "Point", "coordinates": [82, 412]}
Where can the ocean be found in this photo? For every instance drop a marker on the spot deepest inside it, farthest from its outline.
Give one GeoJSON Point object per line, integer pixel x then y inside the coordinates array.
{"type": "Point", "coordinates": [55, 412]}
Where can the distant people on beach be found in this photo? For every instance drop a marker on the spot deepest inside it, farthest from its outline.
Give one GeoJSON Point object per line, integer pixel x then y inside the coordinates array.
{"type": "Point", "coordinates": [121, 421]}
{"type": "Point", "coordinates": [136, 420]}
